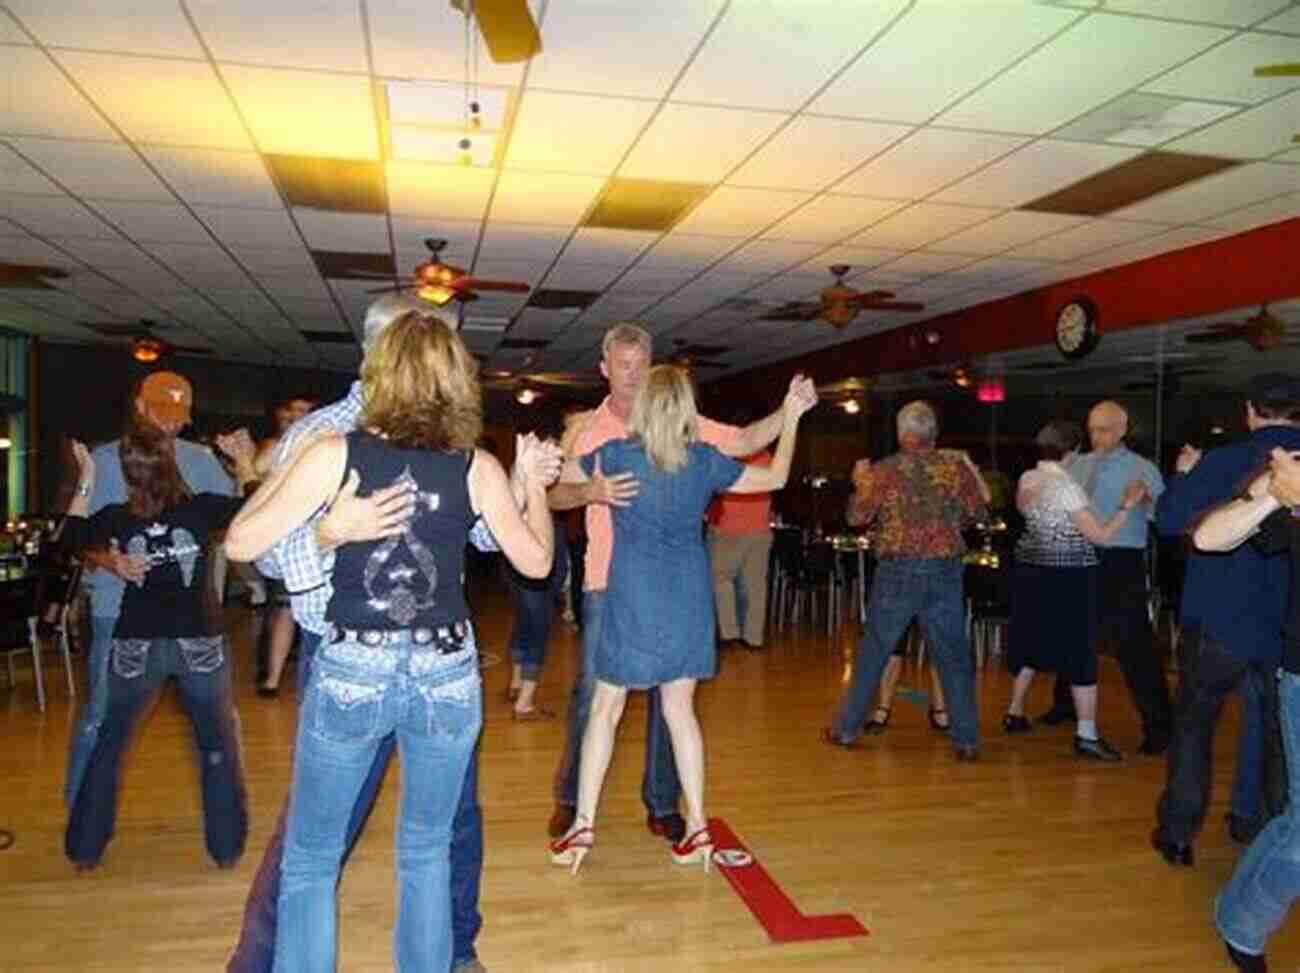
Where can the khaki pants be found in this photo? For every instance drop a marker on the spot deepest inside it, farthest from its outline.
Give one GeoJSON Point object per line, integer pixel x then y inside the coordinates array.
{"type": "Point", "coordinates": [744, 556]}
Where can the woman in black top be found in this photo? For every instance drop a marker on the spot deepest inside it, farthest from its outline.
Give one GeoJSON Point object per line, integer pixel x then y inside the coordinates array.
{"type": "Point", "coordinates": [400, 657]}
{"type": "Point", "coordinates": [169, 625]}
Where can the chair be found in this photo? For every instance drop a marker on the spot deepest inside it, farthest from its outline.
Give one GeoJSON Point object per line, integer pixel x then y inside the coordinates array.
{"type": "Point", "coordinates": [803, 573]}
{"type": "Point", "coordinates": [988, 607]}
{"type": "Point", "coordinates": [20, 609]}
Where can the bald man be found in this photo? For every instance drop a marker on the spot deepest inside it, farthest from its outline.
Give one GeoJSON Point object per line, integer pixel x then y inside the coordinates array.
{"type": "Point", "coordinates": [1122, 603]}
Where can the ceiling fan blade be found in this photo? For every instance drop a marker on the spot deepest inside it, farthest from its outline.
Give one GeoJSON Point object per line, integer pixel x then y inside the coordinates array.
{"type": "Point", "coordinates": [1278, 71]}
{"type": "Point", "coordinates": [867, 296]}
{"type": "Point", "coordinates": [893, 306]}
{"type": "Point", "coordinates": [507, 27]}
{"type": "Point", "coordinates": [793, 311]}
{"type": "Point", "coordinates": [1213, 337]}
{"type": "Point", "coordinates": [477, 284]}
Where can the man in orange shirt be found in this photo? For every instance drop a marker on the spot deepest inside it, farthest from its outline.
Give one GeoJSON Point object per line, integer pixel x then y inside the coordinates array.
{"type": "Point", "coordinates": [740, 543]}
{"type": "Point", "coordinates": [625, 364]}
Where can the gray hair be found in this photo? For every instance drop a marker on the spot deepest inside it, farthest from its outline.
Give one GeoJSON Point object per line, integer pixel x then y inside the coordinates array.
{"type": "Point", "coordinates": [387, 309]}
{"type": "Point", "coordinates": [627, 333]}
{"type": "Point", "coordinates": [918, 421]}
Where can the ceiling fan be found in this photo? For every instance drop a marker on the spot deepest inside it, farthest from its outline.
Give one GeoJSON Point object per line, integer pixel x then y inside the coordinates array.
{"type": "Point", "coordinates": [1261, 331]}
{"type": "Point", "coordinates": [28, 275]}
{"type": "Point", "coordinates": [1279, 71]}
{"type": "Point", "coordinates": [440, 283]}
{"type": "Point", "coordinates": [839, 304]}
{"type": "Point", "coordinates": [507, 26]}
{"type": "Point", "coordinates": [146, 344]}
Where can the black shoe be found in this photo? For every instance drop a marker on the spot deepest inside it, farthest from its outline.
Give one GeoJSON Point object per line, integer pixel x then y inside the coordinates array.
{"type": "Point", "coordinates": [669, 826]}
{"type": "Point", "coordinates": [1054, 716]}
{"type": "Point", "coordinates": [875, 724]}
{"type": "Point", "coordinates": [1153, 744]}
{"type": "Point", "coordinates": [966, 753]}
{"type": "Point", "coordinates": [1011, 723]}
{"type": "Point", "coordinates": [1241, 830]}
{"type": "Point", "coordinates": [1246, 962]}
{"type": "Point", "coordinates": [268, 692]}
{"type": "Point", "coordinates": [1097, 749]}
{"type": "Point", "coordinates": [1172, 851]}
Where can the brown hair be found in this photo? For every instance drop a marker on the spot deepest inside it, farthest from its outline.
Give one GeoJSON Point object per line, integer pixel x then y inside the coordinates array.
{"type": "Point", "coordinates": [148, 458]}
{"type": "Point", "coordinates": [420, 385]}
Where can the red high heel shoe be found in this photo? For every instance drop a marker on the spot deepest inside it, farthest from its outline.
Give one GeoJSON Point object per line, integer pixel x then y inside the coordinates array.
{"type": "Point", "coordinates": [696, 847]}
{"type": "Point", "coordinates": [572, 848]}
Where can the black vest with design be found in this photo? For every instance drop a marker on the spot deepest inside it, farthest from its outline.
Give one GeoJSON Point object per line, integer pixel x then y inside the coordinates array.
{"type": "Point", "coordinates": [414, 579]}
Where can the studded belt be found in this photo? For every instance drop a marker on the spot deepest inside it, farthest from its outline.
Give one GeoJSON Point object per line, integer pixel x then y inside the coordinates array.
{"type": "Point", "coordinates": [450, 638]}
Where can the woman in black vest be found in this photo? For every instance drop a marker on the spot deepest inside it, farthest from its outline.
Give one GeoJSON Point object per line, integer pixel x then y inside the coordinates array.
{"type": "Point", "coordinates": [401, 656]}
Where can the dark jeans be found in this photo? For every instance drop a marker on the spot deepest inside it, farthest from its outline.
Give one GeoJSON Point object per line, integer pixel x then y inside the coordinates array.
{"type": "Point", "coordinates": [660, 788]}
{"type": "Point", "coordinates": [136, 670]}
{"type": "Point", "coordinates": [255, 951]}
{"type": "Point", "coordinates": [534, 607]}
{"type": "Point", "coordinates": [1209, 674]}
{"type": "Point", "coordinates": [928, 589]}
{"type": "Point", "coordinates": [1126, 626]}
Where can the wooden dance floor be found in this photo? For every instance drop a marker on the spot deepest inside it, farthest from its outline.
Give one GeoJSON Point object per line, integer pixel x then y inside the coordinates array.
{"type": "Point", "coordinates": [1030, 860]}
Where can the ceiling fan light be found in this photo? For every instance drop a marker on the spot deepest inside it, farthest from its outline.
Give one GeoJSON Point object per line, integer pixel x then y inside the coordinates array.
{"type": "Point", "coordinates": [852, 407]}
{"type": "Point", "coordinates": [146, 350]}
{"type": "Point", "coordinates": [526, 396]}
{"type": "Point", "coordinates": [436, 294]}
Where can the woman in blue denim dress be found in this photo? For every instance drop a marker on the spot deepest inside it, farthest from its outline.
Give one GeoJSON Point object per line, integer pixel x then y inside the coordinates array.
{"type": "Point", "coordinates": [401, 657]}
{"type": "Point", "coordinates": [660, 628]}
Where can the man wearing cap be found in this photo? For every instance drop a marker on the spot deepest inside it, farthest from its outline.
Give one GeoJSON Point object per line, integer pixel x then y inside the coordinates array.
{"type": "Point", "coordinates": [1231, 616]}
{"type": "Point", "coordinates": [304, 560]}
{"type": "Point", "coordinates": [166, 400]}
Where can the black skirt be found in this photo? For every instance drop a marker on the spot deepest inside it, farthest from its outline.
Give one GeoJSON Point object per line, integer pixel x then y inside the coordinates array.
{"type": "Point", "coordinates": [1053, 622]}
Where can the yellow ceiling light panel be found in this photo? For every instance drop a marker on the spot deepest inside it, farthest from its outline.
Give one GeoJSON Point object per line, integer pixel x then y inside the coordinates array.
{"type": "Point", "coordinates": [306, 113]}
{"type": "Point", "coordinates": [442, 122]}
{"type": "Point", "coordinates": [645, 204]}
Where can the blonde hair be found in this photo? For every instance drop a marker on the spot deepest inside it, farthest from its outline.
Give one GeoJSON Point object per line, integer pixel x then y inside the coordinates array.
{"type": "Point", "coordinates": [420, 386]}
{"type": "Point", "coordinates": [626, 333]}
{"type": "Point", "coordinates": [917, 420]}
{"type": "Point", "coordinates": [664, 417]}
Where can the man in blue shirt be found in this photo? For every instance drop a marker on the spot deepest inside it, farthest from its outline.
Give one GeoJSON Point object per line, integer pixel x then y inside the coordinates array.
{"type": "Point", "coordinates": [166, 400]}
{"type": "Point", "coordinates": [1122, 597]}
{"type": "Point", "coordinates": [1232, 614]}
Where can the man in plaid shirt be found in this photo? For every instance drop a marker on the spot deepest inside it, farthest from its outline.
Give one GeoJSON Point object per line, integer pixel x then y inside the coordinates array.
{"type": "Point", "coordinates": [304, 560]}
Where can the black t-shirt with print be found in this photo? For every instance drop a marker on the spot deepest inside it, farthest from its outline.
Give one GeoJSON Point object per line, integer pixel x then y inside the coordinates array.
{"type": "Point", "coordinates": [1281, 532]}
{"type": "Point", "coordinates": [174, 600]}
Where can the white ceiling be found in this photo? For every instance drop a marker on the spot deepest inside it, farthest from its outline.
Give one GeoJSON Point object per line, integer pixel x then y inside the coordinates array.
{"type": "Point", "coordinates": [898, 136]}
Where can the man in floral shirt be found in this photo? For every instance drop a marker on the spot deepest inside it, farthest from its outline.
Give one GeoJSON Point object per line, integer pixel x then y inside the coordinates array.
{"type": "Point", "coordinates": [917, 502]}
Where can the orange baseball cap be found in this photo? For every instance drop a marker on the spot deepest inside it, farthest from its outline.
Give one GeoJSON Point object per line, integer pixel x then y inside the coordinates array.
{"type": "Point", "coordinates": [169, 396]}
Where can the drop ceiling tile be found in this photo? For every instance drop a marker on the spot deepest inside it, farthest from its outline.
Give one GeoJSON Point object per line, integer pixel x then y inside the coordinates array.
{"type": "Point", "coordinates": [732, 211]}
{"type": "Point", "coordinates": [54, 216]}
{"type": "Point", "coordinates": [267, 262]}
{"type": "Point", "coordinates": [701, 144]}
{"type": "Point", "coordinates": [684, 253]}
{"type": "Point", "coordinates": [599, 246]}
{"type": "Point", "coordinates": [153, 222]}
{"type": "Point", "coordinates": [630, 59]}
{"type": "Point", "coordinates": [925, 264]}
{"type": "Point", "coordinates": [859, 259]}
{"type": "Point", "coordinates": [108, 256]}
{"type": "Point", "coordinates": [10, 33]}
{"type": "Point", "coordinates": [434, 192]}
{"type": "Point", "coordinates": [205, 176]}
{"type": "Point", "coordinates": [649, 281]}
{"type": "Point", "coordinates": [1167, 242]}
{"type": "Point", "coordinates": [812, 152]}
{"type": "Point", "coordinates": [254, 228]}
{"type": "Point", "coordinates": [1230, 13]}
{"type": "Point", "coordinates": [809, 41]}
{"type": "Point", "coordinates": [1254, 134]}
{"type": "Point", "coordinates": [1288, 22]}
{"type": "Point", "coordinates": [527, 271]}
{"type": "Point", "coordinates": [29, 250]}
{"type": "Point", "coordinates": [140, 27]}
{"type": "Point", "coordinates": [151, 100]}
{"type": "Point", "coordinates": [830, 218]}
{"type": "Point", "coordinates": [604, 129]}
{"type": "Point", "coordinates": [39, 100]}
{"type": "Point", "coordinates": [1099, 58]}
{"type": "Point", "coordinates": [253, 32]}
{"type": "Point", "coordinates": [417, 39]}
{"type": "Point", "coordinates": [768, 256]}
{"type": "Point", "coordinates": [896, 79]}
{"type": "Point", "coordinates": [1284, 207]}
{"type": "Point", "coordinates": [567, 275]}
{"type": "Point", "coordinates": [531, 242]}
{"type": "Point", "coordinates": [993, 270]}
{"type": "Point", "coordinates": [536, 197]}
{"type": "Point", "coordinates": [927, 161]}
{"type": "Point", "coordinates": [1005, 231]}
{"type": "Point", "coordinates": [95, 170]}
{"type": "Point", "coordinates": [1225, 73]}
{"type": "Point", "coordinates": [409, 233]}
{"type": "Point", "coordinates": [1036, 170]}
{"type": "Point", "coordinates": [918, 225]}
{"type": "Point", "coordinates": [1231, 189]}
{"type": "Point", "coordinates": [347, 232]}
{"type": "Point", "coordinates": [17, 176]}
{"type": "Point", "coordinates": [306, 113]}
{"type": "Point", "coordinates": [1084, 239]}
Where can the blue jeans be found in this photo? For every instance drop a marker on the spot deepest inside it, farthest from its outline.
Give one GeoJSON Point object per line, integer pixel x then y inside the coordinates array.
{"type": "Point", "coordinates": [86, 732]}
{"type": "Point", "coordinates": [660, 789]}
{"type": "Point", "coordinates": [534, 603]}
{"type": "Point", "coordinates": [256, 948]}
{"type": "Point", "coordinates": [1248, 777]}
{"type": "Point", "coordinates": [930, 590]}
{"type": "Point", "coordinates": [1255, 901]}
{"type": "Point", "coordinates": [138, 669]}
{"type": "Point", "coordinates": [356, 696]}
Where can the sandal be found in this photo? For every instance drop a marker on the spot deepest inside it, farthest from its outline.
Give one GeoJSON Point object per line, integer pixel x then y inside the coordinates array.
{"type": "Point", "coordinates": [935, 712]}
{"type": "Point", "coordinates": [572, 848]}
{"type": "Point", "coordinates": [876, 724]}
{"type": "Point", "coordinates": [698, 847]}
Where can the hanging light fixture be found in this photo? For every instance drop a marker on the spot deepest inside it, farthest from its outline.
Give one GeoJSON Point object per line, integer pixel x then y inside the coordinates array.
{"type": "Point", "coordinates": [852, 407]}
{"type": "Point", "coordinates": [146, 350]}
{"type": "Point", "coordinates": [526, 396]}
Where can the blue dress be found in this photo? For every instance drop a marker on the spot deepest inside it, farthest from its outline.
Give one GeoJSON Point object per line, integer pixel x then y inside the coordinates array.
{"type": "Point", "coordinates": [659, 622]}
